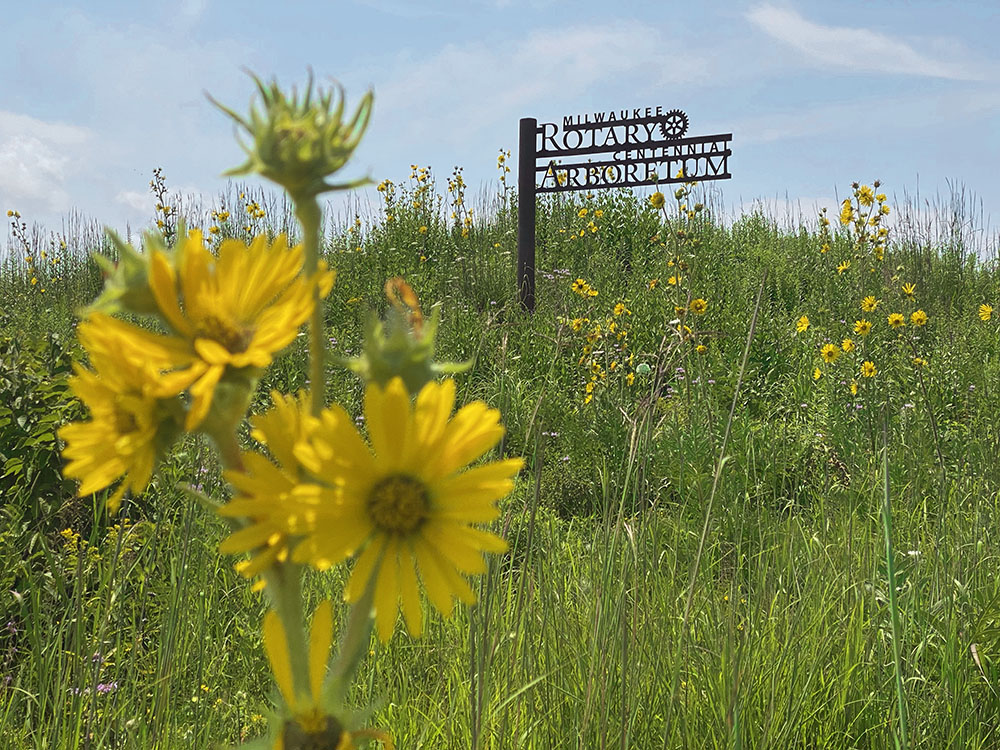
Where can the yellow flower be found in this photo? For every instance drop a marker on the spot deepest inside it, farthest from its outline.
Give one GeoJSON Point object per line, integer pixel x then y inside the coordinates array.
{"type": "Point", "coordinates": [802, 324]}
{"type": "Point", "coordinates": [909, 290]}
{"type": "Point", "coordinates": [134, 412]}
{"type": "Point", "coordinates": [408, 502]}
{"type": "Point", "coordinates": [581, 213]}
{"type": "Point", "coordinates": [653, 283]}
{"type": "Point", "coordinates": [239, 309]}
{"type": "Point", "coordinates": [843, 266]}
{"type": "Point", "coordinates": [869, 303]}
{"type": "Point", "coordinates": [657, 200]}
{"type": "Point", "coordinates": [577, 324]}
{"type": "Point", "coordinates": [701, 349]}
{"type": "Point", "coordinates": [699, 306]}
{"type": "Point", "coordinates": [896, 320]}
{"type": "Point", "coordinates": [580, 286]}
{"type": "Point", "coordinates": [918, 318]}
{"type": "Point", "coordinates": [310, 724]}
{"type": "Point", "coordinates": [985, 312]}
{"type": "Point", "coordinates": [866, 196]}
{"type": "Point", "coordinates": [674, 280]}
{"type": "Point", "coordinates": [846, 212]}
{"type": "Point", "coordinates": [817, 373]}
{"type": "Point", "coordinates": [598, 213]}
{"type": "Point", "coordinates": [862, 327]}
{"type": "Point", "coordinates": [920, 362]}
{"type": "Point", "coordinates": [847, 345]}
{"type": "Point", "coordinates": [854, 387]}
{"type": "Point", "coordinates": [868, 369]}
{"type": "Point", "coordinates": [829, 353]}
{"type": "Point", "coordinates": [423, 229]}
{"type": "Point", "coordinates": [630, 378]}
{"type": "Point", "coordinates": [591, 292]}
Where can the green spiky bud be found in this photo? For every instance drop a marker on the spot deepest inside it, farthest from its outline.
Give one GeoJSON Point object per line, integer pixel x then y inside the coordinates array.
{"type": "Point", "coordinates": [298, 142]}
{"type": "Point", "coordinates": [126, 282]}
{"type": "Point", "coordinates": [402, 345]}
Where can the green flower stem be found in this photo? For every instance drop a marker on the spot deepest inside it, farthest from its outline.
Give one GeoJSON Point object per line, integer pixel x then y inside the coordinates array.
{"type": "Point", "coordinates": [310, 216]}
{"type": "Point", "coordinates": [355, 642]}
{"type": "Point", "coordinates": [229, 451]}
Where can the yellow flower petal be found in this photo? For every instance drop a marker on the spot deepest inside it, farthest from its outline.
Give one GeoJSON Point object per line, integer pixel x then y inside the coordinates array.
{"type": "Point", "coordinates": [276, 646]}
{"type": "Point", "coordinates": [387, 591]}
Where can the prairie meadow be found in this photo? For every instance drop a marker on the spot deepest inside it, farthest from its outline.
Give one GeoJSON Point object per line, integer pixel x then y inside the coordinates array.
{"type": "Point", "coordinates": [745, 495]}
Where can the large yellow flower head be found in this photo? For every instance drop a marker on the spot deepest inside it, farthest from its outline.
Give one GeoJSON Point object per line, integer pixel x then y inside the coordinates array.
{"type": "Point", "coordinates": [408, 502]}
{"type": "Point", "coordinates": [134, 412]}
{"type": "Point", "coordinates": [231, 312]}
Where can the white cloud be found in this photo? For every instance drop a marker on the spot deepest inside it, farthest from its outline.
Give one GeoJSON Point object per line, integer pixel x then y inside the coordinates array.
{"type": "Point", "coordinates": [853, 48]}
{"type": "Point", "coordinates": [463, 89]}
{"type": "Point", "coordinates": [37, 158]}
{"type": "Point", "coordinates": [137, 202]}
{"type": "Point", "coordinates": [934, 114]}
{"type": "Point", "coordinates": [192, 10]}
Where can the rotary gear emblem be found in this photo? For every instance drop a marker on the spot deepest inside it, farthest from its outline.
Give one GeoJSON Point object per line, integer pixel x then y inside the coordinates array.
{"type": "Point", "coordinates": [674, 125]}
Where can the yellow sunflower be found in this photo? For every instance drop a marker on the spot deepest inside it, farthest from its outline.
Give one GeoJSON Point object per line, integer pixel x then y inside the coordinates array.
{"type": "Point", "coordinates": [408, 502]}
{"type": "Point", "coordinates": [238, 309]}
{"type": "Point", "coordinates": [134, 412]}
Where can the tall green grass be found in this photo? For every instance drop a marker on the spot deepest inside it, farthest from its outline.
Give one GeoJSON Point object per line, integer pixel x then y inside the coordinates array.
{"type": "Point", "coordinates": [698, 560]}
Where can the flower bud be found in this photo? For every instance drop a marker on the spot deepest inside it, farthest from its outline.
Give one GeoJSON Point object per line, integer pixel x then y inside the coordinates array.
{"type": "Point", "coordinates": [299, 142]}
{"type": "Point", "coordinates": [402, 346]}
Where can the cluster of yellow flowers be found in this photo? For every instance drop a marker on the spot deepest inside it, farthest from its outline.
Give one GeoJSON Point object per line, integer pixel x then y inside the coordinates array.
{"type": "Point", "coordinates": [226, 318]}
{"type": "Point", "coordinates": [38, 271]}
{"type": "Point", "coordinates": [586, 225]}
{"type": "Point", "coordinates": [865, 349]}
{"type": "Point", "coordinates": [605, 347]}
{"type": "Point", "coordinates": [583, 288]}
{"type": "Point", "coordinates": [401, 500]}
{"type": "Point", "coordinates": [503, 168]}
{"type": "Point", "coordinates": [863, 213]}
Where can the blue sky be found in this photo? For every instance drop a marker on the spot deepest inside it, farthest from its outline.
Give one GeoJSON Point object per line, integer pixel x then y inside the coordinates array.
{"type": "Point", "coordinates": [94, 95]}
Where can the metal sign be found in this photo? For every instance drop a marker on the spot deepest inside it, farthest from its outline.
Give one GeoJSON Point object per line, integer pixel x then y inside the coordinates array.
{"type": "Point", "coordinates": [624, 148]}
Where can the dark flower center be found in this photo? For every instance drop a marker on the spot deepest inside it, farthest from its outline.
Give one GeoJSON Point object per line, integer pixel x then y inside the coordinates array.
{"type": "Point", "coordinates": [398, 503]}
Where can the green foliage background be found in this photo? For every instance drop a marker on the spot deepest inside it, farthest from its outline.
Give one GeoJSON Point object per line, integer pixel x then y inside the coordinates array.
{"type": "Point", "coordinates": [134, 633]}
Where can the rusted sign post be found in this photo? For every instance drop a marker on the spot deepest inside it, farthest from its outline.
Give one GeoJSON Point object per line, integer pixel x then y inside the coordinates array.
{"type": "Point", "coordinates": [636, 147]}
